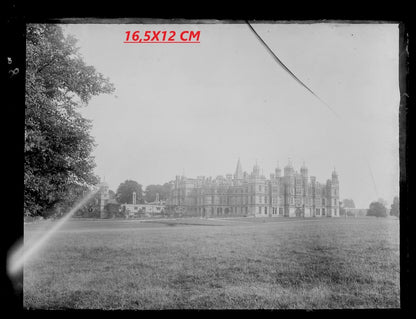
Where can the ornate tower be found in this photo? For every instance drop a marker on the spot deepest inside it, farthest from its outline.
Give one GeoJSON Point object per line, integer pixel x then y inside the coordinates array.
{"type": "Point", "coordinates": [335, 193]}
{"type": "Point", "coordinates": [289, 181]}
{"type": "Point", "coordinates": [104, 197]}
{"type": "Point", "coordinates": [305, 187]}
{"type": "Point", "coordinates": [312, 196]}
{"type": "Point", "coordinates": [134, 198]}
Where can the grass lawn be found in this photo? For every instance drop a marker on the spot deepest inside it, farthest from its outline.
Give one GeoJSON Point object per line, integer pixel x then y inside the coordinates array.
{"type": "Point", "coordinates": [216, 264]}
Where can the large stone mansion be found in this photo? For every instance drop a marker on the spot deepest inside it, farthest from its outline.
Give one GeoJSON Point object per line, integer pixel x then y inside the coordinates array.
{"type": "Point", "coordinates": [292, 195]}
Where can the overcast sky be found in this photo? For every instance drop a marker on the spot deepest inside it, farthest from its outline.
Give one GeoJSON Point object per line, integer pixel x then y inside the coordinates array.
{"type": "Point", "coordinates": [199, 107]}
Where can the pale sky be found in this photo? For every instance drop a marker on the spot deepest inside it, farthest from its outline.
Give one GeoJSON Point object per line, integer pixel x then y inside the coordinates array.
{"type": "Point", "coordinates": [199, 107]}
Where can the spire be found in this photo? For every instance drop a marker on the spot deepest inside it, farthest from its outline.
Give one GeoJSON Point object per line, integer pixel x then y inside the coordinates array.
{"type": "Point", "coordinates": [238, 171]}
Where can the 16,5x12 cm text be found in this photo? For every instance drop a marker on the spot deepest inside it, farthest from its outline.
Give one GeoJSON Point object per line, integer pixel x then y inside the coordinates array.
{"type": "Point", "coordinates": [162, 37]}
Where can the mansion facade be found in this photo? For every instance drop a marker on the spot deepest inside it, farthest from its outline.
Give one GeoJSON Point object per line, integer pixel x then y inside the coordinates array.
{"type": "Point", "coordinates": [293, 194]}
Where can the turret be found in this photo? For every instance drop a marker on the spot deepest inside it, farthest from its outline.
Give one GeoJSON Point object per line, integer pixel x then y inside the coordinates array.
{"type": "Point", "coordinates": [335, 185]}
{"type": "Point", "coordinates": [104, 196]}
{"type": "Point", "coordinates": [288, 170]}
{"type": "Point", "coordinates": [256, 170]}
{"type": "Point", "coordinates": [238, 171]}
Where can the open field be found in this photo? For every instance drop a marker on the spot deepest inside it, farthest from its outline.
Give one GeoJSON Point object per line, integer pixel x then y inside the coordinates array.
{"type": "Point", "coordinates": [212, 264]}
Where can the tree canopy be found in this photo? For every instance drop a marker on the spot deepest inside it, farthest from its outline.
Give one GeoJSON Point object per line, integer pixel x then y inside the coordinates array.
{"type": "Point", "coordinates": [58, 162]}
{"type": "Point", "coordinates": [124, 194]}
{"type": "Point", "coordinates": [152, 190]}
{"type": "Point", "coordinates": [377, 209]}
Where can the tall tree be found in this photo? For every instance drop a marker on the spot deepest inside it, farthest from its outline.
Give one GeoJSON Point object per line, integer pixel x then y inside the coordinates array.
{"type": "Point", "coordinates": [152, 190]}
{"type": "Point", "coordinates": [395, 211]}
{"type": "Point", "coordinates": [58, 145]}
{"type": "Point", "coordinates": [377, 209]}
{"type": "Point", "coordinates": [124, 194]}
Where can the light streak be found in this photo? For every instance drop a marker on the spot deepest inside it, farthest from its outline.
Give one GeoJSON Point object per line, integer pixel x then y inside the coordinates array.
{"type": "Point", "coordinates": [20, 253]}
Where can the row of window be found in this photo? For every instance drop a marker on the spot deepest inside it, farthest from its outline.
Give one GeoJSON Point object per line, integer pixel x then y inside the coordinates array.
{"type": "Point", "coordinates": [221, 211]}
{"type": "Point", "coordinates": [225, 200]}
{"type": "Point", "coordinates": [260, 188]}
{"type": "Point", "coordinates": [260, 210]}
{"type": "Point", "coordinates": [291, 190]}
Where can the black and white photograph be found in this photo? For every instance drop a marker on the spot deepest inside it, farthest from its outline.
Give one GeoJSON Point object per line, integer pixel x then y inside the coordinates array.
{"type": "Point", "coordinates": [210, 164]}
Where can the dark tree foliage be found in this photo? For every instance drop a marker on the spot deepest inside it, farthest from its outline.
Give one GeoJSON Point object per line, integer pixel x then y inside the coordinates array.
{"type": "Point", "coordinates": [152, 190]}
{"type": "Point", "coordinates": [395, 207]}
{"type": "Point", "coordinates": [58, 162]}
{"type": "Point", "coordinates": [377, 209]}
{"type": "Point", "coordinates": [124, 194]}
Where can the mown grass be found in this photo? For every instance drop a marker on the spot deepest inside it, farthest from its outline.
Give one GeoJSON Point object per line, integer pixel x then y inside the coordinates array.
{"type": "Point", "coordinates": [213, 264]}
